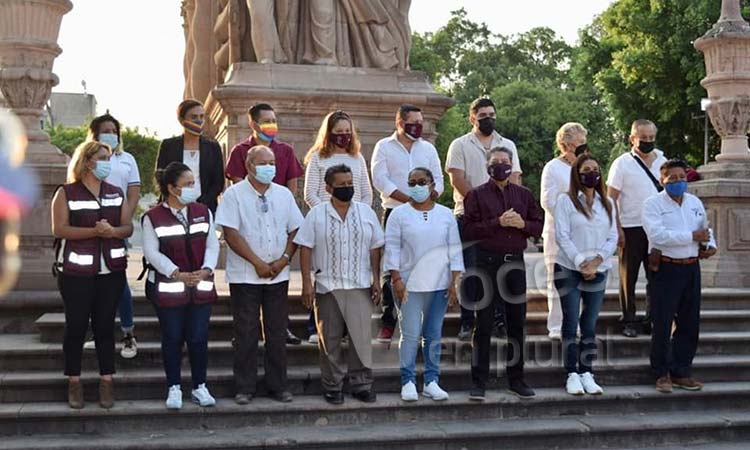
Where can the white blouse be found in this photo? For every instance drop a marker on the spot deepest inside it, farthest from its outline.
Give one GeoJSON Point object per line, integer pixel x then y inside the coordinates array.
{"type": "Point", "coordinates": [315, 185]}
{"type": "Point", "coordinates": [581, 238]}
{"type": "Point", "coordinates": [424, 246]}
{"type": "Point", "coordinates": [192, 159]}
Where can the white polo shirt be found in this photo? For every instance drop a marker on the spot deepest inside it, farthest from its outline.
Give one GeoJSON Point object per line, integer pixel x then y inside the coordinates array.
{"type": "Point", "coordinates": [124, 172]}
{"type": "Point", "coordinates": [264, 228]}
{"type": "Point", "coordinates": [391, 163]}
{"type": "Point", "coordinates": [628, 177]}
{"type": "Point", "coordinates": [341, 248]}
{"type": "Point", "coordinates": [669, 225]}
{"type": "Point", "coordinates": [467, 153]}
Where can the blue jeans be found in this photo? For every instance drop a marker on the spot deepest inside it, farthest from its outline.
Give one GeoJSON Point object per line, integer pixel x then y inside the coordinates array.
{"type": "Point", "coordinates": [126, 310]}
{"type": "Point", "coordinates": [179, 325]}
{"type": "Point", "coordinates": [574, 290]}
{"type": "Point", "coordinates": [421, 317]}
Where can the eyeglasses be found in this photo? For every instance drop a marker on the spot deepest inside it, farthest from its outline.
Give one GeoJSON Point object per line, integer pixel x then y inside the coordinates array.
{"type": "Point", "coordinates": [264, 204]}
{"type": "Point", "coordinates": [421, 182]}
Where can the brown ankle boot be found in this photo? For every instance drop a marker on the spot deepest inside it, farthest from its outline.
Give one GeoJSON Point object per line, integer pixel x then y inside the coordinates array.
{"type": "Point", "coordinates": [106, 393]}
{"type": "Point", "coordinates": [75, 394]}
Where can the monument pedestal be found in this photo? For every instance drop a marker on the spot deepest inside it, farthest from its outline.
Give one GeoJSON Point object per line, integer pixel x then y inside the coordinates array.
{"type": "Point", "coordinates": [725, 191]}
{"type": "Point", "coordinates": [302, 95]}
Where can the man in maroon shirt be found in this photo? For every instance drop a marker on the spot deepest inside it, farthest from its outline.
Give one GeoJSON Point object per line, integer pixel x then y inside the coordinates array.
{"type": "Point", "coordinates": [499, 217]}
{"type": "Point", "coordinates": [262, 120]}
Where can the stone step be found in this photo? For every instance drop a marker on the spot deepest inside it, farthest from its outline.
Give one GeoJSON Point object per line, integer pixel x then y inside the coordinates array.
{"type": "Point", "coordinates": [633, 430]}
{"type": "Point", "coordinates": [51, 325]}
{"type": "Point", "coordinates": [37, 385]}
{"type": "Point", "coordinates": [20, 352]}
{"type": "Point", "coordinates": [311, 410]}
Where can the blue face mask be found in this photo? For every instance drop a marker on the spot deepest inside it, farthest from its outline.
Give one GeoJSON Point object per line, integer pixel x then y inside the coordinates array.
{"type": "Point", "coordinates": [109, 139]}
{"type": "Point", "coordinates": [102, 169]}
{"type": "Point", "coordinates": [265, 174]}
{"type": "Point", "coordinates": [677, 188]}
{"type": "Point", "coordinates": [420, 194]}
{"type": "Point", "coordinates": [188, 195]}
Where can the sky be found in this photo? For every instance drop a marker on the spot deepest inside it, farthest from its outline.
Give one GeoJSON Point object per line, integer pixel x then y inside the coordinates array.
{"type": "Point", "coordinates": [129, 53]}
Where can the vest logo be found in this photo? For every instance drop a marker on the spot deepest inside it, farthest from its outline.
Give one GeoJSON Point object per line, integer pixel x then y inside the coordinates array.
{"type": "Point", "coordinates": [199, 219]}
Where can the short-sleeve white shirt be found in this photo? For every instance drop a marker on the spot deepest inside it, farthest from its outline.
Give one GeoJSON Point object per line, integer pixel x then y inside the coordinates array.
{"type": "Point", "coordinates": [124, 172]}
{"type": "Point", "coordinates": [628, 177]}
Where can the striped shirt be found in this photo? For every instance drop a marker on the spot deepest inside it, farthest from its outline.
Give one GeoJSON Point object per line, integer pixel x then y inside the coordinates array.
{"type": "Point", "coordinates": [315, 185]}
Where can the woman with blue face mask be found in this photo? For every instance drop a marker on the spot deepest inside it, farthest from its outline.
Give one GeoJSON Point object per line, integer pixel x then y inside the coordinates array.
{"type": "Point", "coordinates": [423, 255]}
{"type": "Point", "coordinates": [181, 250]}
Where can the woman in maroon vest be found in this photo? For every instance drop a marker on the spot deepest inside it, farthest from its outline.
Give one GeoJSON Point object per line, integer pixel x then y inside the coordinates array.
{"type": "Point", "coordinates": [89, 219]}
{"type": "Point", "coordinates": [181, 247]}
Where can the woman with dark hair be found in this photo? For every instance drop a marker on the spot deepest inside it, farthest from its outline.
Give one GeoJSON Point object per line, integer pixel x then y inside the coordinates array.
{"type": "Point", "coordinates": [586, 232]}
{"type": "Point", "coordinates": [181, 247]}
{"type": "Point", "coordinates": [125, 175]}
{"type": "Point", "coordinates": [91, 223]}
{"type": "Point", "coordinates": [423, 254]}
{"type": "Point", "coordinates": [202, 155]}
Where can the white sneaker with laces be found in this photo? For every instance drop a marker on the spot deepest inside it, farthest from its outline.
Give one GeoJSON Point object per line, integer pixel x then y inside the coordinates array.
{"type": "Point", "coordinates": [573, 385]}
{"type": "Point", "coordinates": [202, 397]}
{"type": "Point", "coordinates": [174, 399]}
{"type": "Point", "coordinates": [589, 385]}
{"type": "Point", "coordinates": [409, 392]}
{"type": "Point", "coordinates": [434, 392]}
{"type": "Point", "coordinates": [313, 339]}
{"type": "Point", "coordinates": [129, 346]}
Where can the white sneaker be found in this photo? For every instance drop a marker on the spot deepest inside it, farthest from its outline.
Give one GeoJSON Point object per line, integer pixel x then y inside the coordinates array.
{"type": "Point", "coordinates": [89, 345]}
{"type": "Point", "coordinates": [555, 335]}
{"type": "Point", "coordinates": [313, 339]}
{"type": "Point", "coordinates": [409, 392]}
{"type": "Point", "coordinates": [573, 385]}
{"type": "Point", "coordinates": [589, 385]}
{"type": "Point", "coordinates": [202, 397]}
{"type": "Point", "coordinates": [434, 392]}
{"type": "Point", "coordinates": [174, 399]}
{"type": "Point", "coordinates": [129, 346]}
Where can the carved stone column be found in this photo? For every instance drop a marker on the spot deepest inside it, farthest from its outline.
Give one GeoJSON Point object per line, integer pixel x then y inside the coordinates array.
{"type": "Point", "coordinates": [28, 48]}
{"type": "Point", "coordinates": [725, 188]}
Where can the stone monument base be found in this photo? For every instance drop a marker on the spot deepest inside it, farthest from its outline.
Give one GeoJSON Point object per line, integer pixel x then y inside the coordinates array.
{"type": "Point", "coordinates": [725, 191]}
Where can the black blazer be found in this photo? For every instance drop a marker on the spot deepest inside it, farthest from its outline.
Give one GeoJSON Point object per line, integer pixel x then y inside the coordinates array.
{"type": "Point", "coordinates": [211, 166]}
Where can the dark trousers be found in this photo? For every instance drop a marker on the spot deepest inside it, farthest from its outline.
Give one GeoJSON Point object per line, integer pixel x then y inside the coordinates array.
{"type": "Point", "coordinates": [251, 305]}
{"type": "Point", "coordinates": [504, 284]}
{"type": "Point", "coordinates": [90, 300]}
{"type": "Point", "coordinates": [677, 298]}
{"type": "Point", "coordinates": [187, 324]}
{"type": "Point", "coordinates": [388, 318]}
{"type": "Point", "coordinates": [632, 257]}
{"type": "Point", "coordinates": [574, 290]}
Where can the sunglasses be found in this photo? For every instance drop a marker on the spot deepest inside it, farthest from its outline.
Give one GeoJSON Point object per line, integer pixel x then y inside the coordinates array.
{"type": "Point", "coordinates": [422, 182]}
{"type": "Point", "coordinates": [264, 204]}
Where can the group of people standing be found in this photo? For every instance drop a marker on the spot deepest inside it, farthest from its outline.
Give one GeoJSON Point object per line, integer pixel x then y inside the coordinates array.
{"type": "Point", "coordinates": [418, 261]}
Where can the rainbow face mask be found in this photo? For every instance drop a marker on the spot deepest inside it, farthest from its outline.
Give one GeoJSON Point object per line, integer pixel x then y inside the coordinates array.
{"type": "Point", "coordinates": [268, 131]}
{"type": "Point", "coordinates": [194, 127]}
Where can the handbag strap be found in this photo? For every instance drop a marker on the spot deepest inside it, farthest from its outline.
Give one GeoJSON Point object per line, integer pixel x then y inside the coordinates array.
{"type": "Point", "coordinates": [651, 176]}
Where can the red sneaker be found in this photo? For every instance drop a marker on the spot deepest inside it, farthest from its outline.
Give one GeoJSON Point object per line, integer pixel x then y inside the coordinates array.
{"type": "Point", "coordinates": [385, 334]}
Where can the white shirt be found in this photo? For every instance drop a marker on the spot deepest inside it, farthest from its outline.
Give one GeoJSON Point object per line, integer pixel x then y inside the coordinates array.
{"type": "Point", "coordinates": [467, 153]}
{"type": "Point", "coordinates": [424, 246]}
{"type": "Point", "coordinates": [315, 184]}
{"type": "Point", "coordinates": [266, 233]}
{"type": "Point", "coordinates": [192, 159]}
{"type": "Point", "coordinates": [160, 261]}
{"type": "Point", "coordinates": [581, 238]}
{"type": "Point", "coordinates": [341, 248]}
{"type": "Point", "coordinates": [628, 177]}
{"type": "Point", "coordinates": [391, 163]}
{"type": "Point", "coordinates": [555, 181]}
{"type": "Point", "coordinates": [669, 225]}
{"type": "Point", "coordinates": [124, 172]}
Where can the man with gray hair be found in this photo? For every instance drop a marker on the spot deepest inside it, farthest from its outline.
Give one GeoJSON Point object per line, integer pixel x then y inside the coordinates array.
{"type": "Point", "coordinates": [260, 220]}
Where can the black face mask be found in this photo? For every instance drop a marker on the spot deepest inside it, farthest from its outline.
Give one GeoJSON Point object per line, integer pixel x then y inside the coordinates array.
{"type": "Point", "coordinates": [487, 126]}
{"type": "Point", "coordinates": [344, 194]}
{"type": "Point", "coordinates": [646, 147]}
{"type": "Point", "coordinates": [581, 149]}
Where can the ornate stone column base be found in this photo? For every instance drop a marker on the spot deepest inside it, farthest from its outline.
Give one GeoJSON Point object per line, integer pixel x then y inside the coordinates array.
{"type": "Point", "coordinates": [725, 191]}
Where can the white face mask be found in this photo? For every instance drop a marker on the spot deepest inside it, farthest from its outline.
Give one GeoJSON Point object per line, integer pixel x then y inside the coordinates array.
{"type": "Point", "coordinates": [188, 195]}
{"type": "Point", "coordinates": [110, 139]}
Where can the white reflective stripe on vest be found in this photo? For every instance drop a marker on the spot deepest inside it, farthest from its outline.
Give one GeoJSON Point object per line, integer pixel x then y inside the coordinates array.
{"type": "Point", "coordinates": [174, 230]}
{"type": "Point", "coordinates": [81, 260]}
{"type": "Point", "coordinates": [78, 205]}
{"type": "Point", "coordinates": [199, 228]}
{"type": "Point", "coordinates": [112, 202]}
{"type": "Point", "coordinates": [118, 252]}
{"type": "Point", "coordinates": [172, 288]}
{"type": "Point", "coordinates": [205, 286]}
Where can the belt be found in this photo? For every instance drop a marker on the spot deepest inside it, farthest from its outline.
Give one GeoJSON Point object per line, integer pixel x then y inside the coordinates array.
{"type": "Point", "coordinates": [682, 261]}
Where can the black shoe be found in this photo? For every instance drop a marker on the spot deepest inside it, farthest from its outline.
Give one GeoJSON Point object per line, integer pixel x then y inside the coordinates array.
{"type": "Point", "coordinates": [476, 394]}
{"type": "Point", "coordinates": [520, 389]}
{"type": "Point", "coordinates": [629, 331]}
{"type": "Point", "coordinates": [291, 338]}
{"type": "Point", "coordinates": [499, 331]}
{"type": "Point", "coordinates": [243, 399]}
{"type": "Point", "coordinates": [283, 396]}
{"type": "Point", "coordinates": [365, 396]}
{"type": "Point", "coordinates": [464, 334]}
{"type": "Point", "coordinates": [334, 397]}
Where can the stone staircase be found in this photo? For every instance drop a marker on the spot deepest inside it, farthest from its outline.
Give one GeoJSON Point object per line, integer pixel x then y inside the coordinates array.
{"type": "Point", "coordinates": [631, 414]}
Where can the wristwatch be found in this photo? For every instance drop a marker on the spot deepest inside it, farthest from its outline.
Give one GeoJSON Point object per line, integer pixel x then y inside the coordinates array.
{"type": "Point", "coordinates": [286, 255]}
